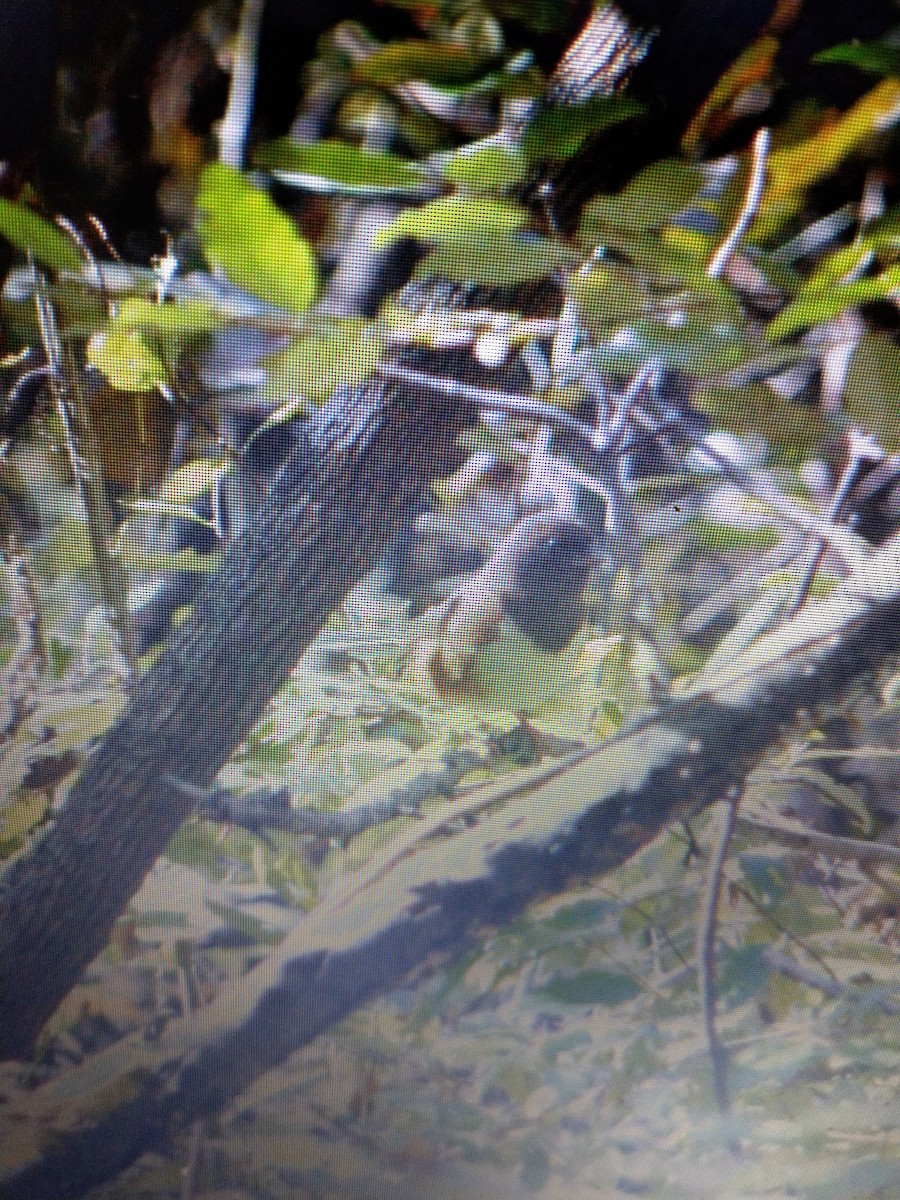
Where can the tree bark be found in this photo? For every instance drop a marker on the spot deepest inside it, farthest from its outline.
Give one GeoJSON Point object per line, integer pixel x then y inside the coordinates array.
{"type": "Point", "coordinates": [360, 466]}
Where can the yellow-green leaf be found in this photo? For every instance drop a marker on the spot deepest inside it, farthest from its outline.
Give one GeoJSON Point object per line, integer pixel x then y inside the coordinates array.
{"type": "Point", "coordinates": [648, 202]}
{"type": "Point", "coordinates": [441, 63]}
{"type": "Point", "coordinates": [252, 242]}
{"type": "Point", "coordinates": [33, 234]}
{"type": "Point", "coordinates": [313, 366]}
{"type": "Point", "coordinates": [186, 319]}
{"type": "Point", "coordinates": [822, 304]}
{"type": "Point", "coordinates": [128, 362]}
{"type": "Point", "coordinates": [453, 217]}
{"type": "Point", "coordinates": [486, 165]}
{"type": "Point", "coordinates": [790, 172]}
{"type": "Point", "coordinates": [502, 259]}
{"type": "Point", "coordinates": [333, 165]}
{"type": "Point", "coordinates": [143, 339]}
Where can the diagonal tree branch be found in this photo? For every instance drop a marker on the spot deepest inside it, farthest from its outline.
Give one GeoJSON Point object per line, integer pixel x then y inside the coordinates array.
{"type": "Point", "coordinates": [354, 475]}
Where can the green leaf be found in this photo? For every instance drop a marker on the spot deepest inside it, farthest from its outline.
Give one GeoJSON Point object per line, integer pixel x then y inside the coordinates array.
{"type": "Point", "coordinates": [591, 987]}
{"type": "Point", "coordinates": [143, 340]}
{"type": "Point", "coordinates": [186, 484]}
{"type": "Point", "coordinates": [725, 536]}
{"type": "Point", "coordinates": [452, 217]}
{"type": "Point", "coordinates": [878, 58]}
{"type": "Point", "coordinates": [742, 973]}
{"type": "Point", "coordinates": [793, 169]}
{"type": "Point", "coordinates": [697, 343]}
{"type": "Point", "coordinates": [123, 355]}
{"type": "Point", "coordinates": [184, 319]}
{"type": "Point", "coordinates": [556, 133]}
{"type": "Point", "coordinates": [486, 165]}
{"type": "Point", "coordinates": [648, 202]}
{"type": "Point", "coordinates": [871, 397]}
{"type": "Point", "coordinates": [333, 165]}
{"type": "Point", "coordinates": [793, 429]}
{"type": "Point", "coordinates": [312, 367]}
{"type": "Point", "coordinates": [33, 234]}
{"type": "Point", "coordinates": [608, 296]}
{"type": "Point", "coordinates": [583, 914]}
{"type": "Point", "coordinates": [884, 231]}
{"type": "Point", "coordinates": [247, 237]}
{"type": "Point", "coordinates": [824, 304]}
{"type": "Point", "coordinates": [441, 63]}
{"type": "Point", "coordinates": [837, 268]}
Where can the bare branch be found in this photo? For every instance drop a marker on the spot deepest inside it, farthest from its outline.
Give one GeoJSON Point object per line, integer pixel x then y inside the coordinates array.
{"type": "Point", "coordinates": [235, 124]}
{"type": "Point", "coordinates": [749, 208]}
{"type": "Point", "coordinates": [706, 953]}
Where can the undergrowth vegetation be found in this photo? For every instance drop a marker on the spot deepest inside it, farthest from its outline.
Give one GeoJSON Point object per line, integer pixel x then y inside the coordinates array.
{"type": "Point", "coordinates": [567, 1055]}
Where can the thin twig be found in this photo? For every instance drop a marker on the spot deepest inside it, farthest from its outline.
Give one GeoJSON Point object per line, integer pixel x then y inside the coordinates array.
{"type": "Point", "coordinates": [848, 546]}
{"type": "Point", "coordinates": [84, 461]}
{"type": "Point", "coordinates": [863, 453]}
{"type": "Point", "coordinates": [21, 675]}
{"type": "Point", "coordinates": [720, 259]}
{"type": "Point", "coordinates": [496, 399]}
{"type": "Point", "coordinates": [827, 843]}
{"type": "Point", "coordinates": [706, 956]}
{"type": "Point", "coordinates": [841, 540]}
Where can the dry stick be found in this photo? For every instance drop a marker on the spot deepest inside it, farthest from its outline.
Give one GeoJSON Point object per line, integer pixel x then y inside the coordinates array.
{"type": "Point", "coordinates": [235, 124]}
{"type": "Point", "coordinates": [749, 208]}
{"type": "Point", "coordinates": [716, 268]}
{"type": "Point", "coordinates": [863, 453]}
{"type": "Point", "coordinates": [84, 462]}
{"type": "Point", "coordinates": [30, 650]}
{"type": "Point", "coordinates": [845, 544]}
{"type": "Point", "coordinates": [23, 674]}
{"type": "Point", "coordinates": [192, 1168]}
{"type": "Point", "coordinates": [848, 546]}
{"type": "Point", "coordinates": [828, 843]}
{"type": "Point", "coordinates": [706, 955]}
{"type": "Point", "coordinates": [494, 399]}
{"type": "Point", "coordinates": [441, 888]}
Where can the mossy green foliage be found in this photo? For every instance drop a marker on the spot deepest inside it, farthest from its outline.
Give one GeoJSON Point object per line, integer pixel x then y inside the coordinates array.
{"type": "Point", "coordinates": [554, 134]}
{"type": "Point", "coordinates": [442, 63]}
